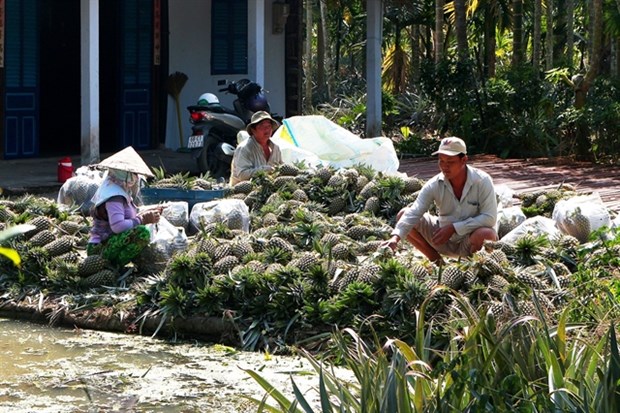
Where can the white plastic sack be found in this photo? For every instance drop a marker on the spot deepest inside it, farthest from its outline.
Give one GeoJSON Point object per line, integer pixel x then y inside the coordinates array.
{"type": "Point", "coordinates": [317, 141]}
{"type": "Point", "coordinates": [535, 226]}
{"type": "Point", "coordinates": [504, 196]}
{"type": "Point", "coordinates": [204, 213]}
{"type": "Point", "coordinates": [591, 206]}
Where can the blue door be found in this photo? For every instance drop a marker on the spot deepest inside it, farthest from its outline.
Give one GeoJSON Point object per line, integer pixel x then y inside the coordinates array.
{"type": "Point", "coordinates": [21, 61]}
{"type": "Point", "coordinates": [136, 73]}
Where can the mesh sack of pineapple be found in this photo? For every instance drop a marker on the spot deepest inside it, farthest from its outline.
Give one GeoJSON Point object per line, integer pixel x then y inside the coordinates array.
{"type": "Point", "coordinates": [234, 213]}
{"type": "Point", "coordinates": [78, 190]}
{"type": "Point", "coordinates": [579, 216]}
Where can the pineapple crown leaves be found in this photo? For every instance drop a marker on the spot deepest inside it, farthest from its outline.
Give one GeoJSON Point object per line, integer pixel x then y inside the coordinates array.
{"type": "Point", "coordinates": [356, 299]}
{"type": "Point", "coordinates": [159, 172]}
{"type": "Point", "coordinates": [308, 232]}
{"type": "Point", "coordinates": [529, 247]}
{"type": "Point", "coordinates": [365, 170]}
{"type": "Point", "coordinates": [173, 300]}
{"type": "Point", "coordinates": [390, 186]}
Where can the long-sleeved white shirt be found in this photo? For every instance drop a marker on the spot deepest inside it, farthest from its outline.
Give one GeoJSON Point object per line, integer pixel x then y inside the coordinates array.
{"type": "Point", "coordinates": [250, 158]}
{"type": "Point", "coordinates": [477, 207]}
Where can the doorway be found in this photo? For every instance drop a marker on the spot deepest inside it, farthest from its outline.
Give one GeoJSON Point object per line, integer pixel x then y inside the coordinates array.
{"type": "Point", "coordinates": [59, 71]}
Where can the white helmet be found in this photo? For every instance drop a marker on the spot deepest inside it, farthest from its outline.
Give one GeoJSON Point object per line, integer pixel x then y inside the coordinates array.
{"type": "Point", "coordinates": [207, 99]}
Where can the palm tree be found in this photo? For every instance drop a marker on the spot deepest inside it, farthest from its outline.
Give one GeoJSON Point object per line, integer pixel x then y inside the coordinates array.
{"type": "Point", "coordinates": [518, 52]}
{"type": "Point", "coordinates": [438, 38]}
{"type": "Point", "coordinates": [549, 36]}
{"type": "Point", "coordinates": [460, 18]}
{"type": "Point", "coordinates": [536, 35]}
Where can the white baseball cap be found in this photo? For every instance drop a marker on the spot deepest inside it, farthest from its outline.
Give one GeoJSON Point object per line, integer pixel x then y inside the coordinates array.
{"type": "Point", "coordinates": [451, 146]}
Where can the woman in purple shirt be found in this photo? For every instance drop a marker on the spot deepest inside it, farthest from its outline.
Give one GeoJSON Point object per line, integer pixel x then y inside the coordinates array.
{"type": "Point", "coordinates": [118, 233]}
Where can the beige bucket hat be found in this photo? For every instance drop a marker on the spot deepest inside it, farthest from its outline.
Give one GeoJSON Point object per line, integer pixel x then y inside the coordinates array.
{"type": "Point", "coordinates": [127, 160]}
{"type": "Point", "coordinates": [260, 116]}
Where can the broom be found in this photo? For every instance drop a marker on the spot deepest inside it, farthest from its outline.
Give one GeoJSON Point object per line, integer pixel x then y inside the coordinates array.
{"type": "Point", "coordinates": [174, 85]}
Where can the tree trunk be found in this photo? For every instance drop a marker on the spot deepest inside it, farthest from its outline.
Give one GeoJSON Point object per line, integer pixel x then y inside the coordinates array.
{"type": "Point", "coordinates": [517, 32]}
{"type": "Point", "coordinates": [460, 17]}
{"type": "Point", "coordinates": [581, 88]}
{"type": "Point", "coordinates": [321, 80]}
{"type": "Point", "coordinates": [438, 38]}
{"type": "Point", "coordinates": [489, 42]}
{"type": "Point", "coordinates": [415, 53]}
{"type": "Point", "coordinates": [570, 21]}
{"type": "Point", "coordinates": [308, 65]}
{"type": "Point", "coordinates": [536, 35]}
{"type": "Point", "coordinates": [323, 33]}
{"type": "Point", "coordinates": [549, 36]}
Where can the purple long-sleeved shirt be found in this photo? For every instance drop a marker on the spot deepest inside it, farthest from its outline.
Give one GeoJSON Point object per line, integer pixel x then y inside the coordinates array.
{"type": "Point", "coordinates": [121, 217]}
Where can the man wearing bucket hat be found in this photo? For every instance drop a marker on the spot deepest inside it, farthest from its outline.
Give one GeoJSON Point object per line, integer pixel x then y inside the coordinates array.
{"type": "Point", "coordinates": [258, 152]}
{"type": "Point", "coordinates": [466, 208]}
{"type": "Point", "coordinates": [118, 233]}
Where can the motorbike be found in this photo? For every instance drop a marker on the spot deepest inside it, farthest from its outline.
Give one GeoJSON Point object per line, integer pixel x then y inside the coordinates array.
{"type": "Point", "coordinates": [215, 127]}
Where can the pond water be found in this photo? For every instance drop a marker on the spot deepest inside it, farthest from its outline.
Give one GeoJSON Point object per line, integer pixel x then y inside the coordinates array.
{"type": "Point", "coordinates": [46, 369]}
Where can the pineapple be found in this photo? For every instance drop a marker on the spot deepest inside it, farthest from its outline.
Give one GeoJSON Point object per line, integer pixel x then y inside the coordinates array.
{"type": "Point", "coordinates": [91, 265]}
{"type": "Point", "coordinates": [305, 261]}
{"type": "Point", "coordinates": [270, 219]}
{"type": "Point", "coordinates": [101, 278]}
{"type": "Point", "coordinates": [342, 251]}
{"type": "Point", "coordinates": [370, 189]}
{"type": "Point", "coordinates": [530, 276]}
{"type": "Point", "coordinates": [283, 181]}
{"type": "Point", "coordinates": [221, 251]}
{"type": "Point", "coordinates": [372, 205]}
{"type": "Point", "coordinates": [42, 238]}
{"type": "Point", "coordinates": [226, 264]}
{"type": "Point", "coordinates": [243, 187]}
{"type": "Point", "coordinates": [324, 173]}
{"type": "Point", "coordinates": [578, 225]}
{"type": "Point", "coordinates": [300, 195]}
{"type": "Point", "coordinates": [337, 181]}
{"type": "Point", "coordinates": [335, 205]}
{"type": "Point", "coordinates": [60, 246]}
{"type": "Point", "coordinates": [71, 227]}
{"type": "Point", "coordinates": [40, 223]}
{"type": "Point", "coordinates": [358, 232]}
{"type": "Point", "coordinates": [280, 243]}
{"type": "Point", "coordinates": [6, 215]}
{"type": "Point", "coordinates": [361, 182]}
{"type": "Point", "coordinates": [330, 239]}
{"type": "Point", "coordinates": [452, 277]}
{"type": "Point", "coordinates": [419, 271]}
{"type": "Point", "coordinates": [369, 273]}
{"type": "Point", "coordinates": [288, 169]}
{"type": "Point", "coordinates": [234, 220]}
{"type": "Point", "coordinates": [412, 184]}
{"type": "Point", "coordinates": [241, 248]}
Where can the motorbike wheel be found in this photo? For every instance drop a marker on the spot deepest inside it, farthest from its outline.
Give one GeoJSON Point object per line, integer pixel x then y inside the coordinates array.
{"type": "Point", "coordinates": [202, 162]}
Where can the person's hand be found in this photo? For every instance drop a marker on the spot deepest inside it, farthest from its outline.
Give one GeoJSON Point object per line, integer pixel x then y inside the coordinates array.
{"type": "Point", "coordinates": [390, 243]}
{"type": "Point", "coordinates": [443, 234]}
{"type": "Point", "coordinates": [267, 168]}
{"type": "Point", "coordinates": [150, 217]}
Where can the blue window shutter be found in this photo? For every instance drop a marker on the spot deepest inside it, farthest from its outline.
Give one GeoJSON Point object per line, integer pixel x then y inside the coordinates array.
{"type": "Point", "coordinates": [229, 37]}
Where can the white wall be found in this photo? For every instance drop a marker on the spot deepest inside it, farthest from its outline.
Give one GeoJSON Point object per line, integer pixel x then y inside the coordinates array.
{"type": "Point", "coordinates": [190, 41]}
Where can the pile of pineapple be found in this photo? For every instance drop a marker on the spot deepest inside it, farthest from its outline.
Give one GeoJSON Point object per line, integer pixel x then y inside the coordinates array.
{"type": "Point", "coordinates": [311, 260]}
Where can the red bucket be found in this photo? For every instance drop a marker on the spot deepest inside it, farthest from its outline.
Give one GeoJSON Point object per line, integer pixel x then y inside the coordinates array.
{"type": "Point", "coordinates": [65, 169]}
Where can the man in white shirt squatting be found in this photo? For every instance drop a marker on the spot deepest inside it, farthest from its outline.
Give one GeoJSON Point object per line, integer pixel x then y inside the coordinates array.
{"type": "Point", "coordinates": [466, 207]}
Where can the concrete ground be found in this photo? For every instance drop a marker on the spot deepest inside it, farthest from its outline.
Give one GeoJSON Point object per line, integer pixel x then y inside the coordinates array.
{"type": "Point", "coordinates": [40, 176]}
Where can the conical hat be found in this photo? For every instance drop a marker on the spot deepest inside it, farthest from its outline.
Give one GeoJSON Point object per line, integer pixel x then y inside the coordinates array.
{"type": "Point", "coordinates": [127, 160]}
